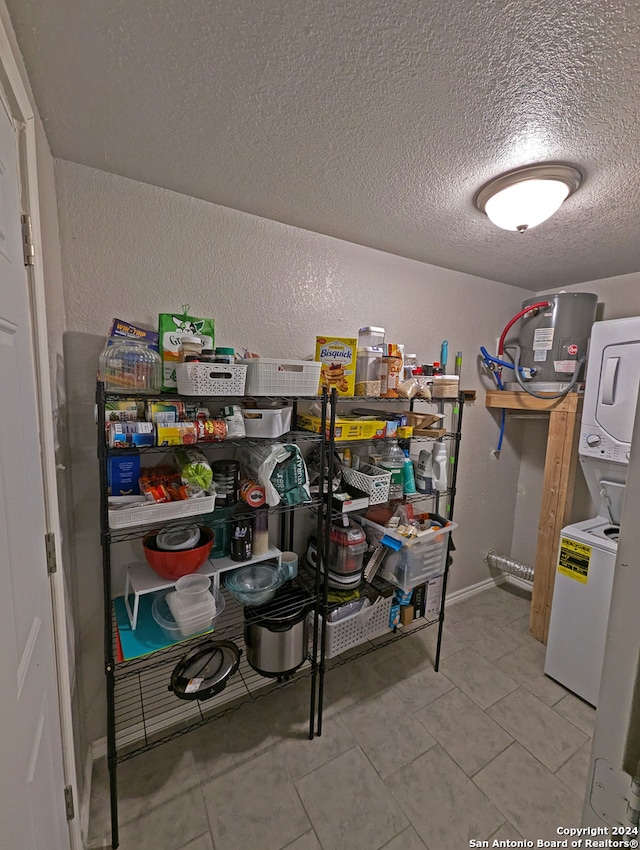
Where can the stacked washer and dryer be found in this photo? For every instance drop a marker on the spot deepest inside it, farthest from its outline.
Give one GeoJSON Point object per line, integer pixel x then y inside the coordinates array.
{"type": "Point", "coordinates": [587, 554]}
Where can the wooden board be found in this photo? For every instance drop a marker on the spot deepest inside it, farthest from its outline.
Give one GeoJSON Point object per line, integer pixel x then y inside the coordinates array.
{"type": "Point", "coordinates": [555, 513]}
{"type": "Point", "coordinates": [523, 401]}
{"type": "Point", "coordinates": [557, 497]}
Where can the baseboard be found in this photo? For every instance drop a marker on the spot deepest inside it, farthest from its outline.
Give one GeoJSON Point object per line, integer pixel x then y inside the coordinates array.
{"type": "Point", "coordinates": [85, 805]}
{"type": "Point", "coordinates": [519, 582]}
{"type": "Point", "coordinates": [467, 592]}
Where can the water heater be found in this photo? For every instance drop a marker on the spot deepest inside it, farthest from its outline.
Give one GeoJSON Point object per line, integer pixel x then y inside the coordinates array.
{"type": "Point", "coordinates": [553, 341]}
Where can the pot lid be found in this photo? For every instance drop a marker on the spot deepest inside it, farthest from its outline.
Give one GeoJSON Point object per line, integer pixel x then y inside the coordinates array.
{"type": "Point", "coordinates": [288, 607]}
{"type": "Point", "coordinates": [204, 671]}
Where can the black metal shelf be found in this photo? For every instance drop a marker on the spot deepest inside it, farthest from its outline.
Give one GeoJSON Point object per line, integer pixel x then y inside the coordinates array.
{"type": "Point", "coordinates": [234, 442]}
{"type": "Point", "coordinates": [240, 511]}
{"type": "Point", "coordinates": [148, 714]}
{"type": "Point", "coordinates": [142, 713]}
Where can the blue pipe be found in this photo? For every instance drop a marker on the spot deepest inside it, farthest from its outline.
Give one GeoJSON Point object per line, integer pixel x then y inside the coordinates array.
{"type": "Point", "coordinates": [503, 417]}
{"type": "Point", "coordinates": [489, 358]}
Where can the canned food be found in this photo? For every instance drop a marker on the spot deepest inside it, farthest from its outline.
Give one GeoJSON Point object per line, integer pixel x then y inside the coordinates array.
{"type": "Point", "coordinates": [176, 434]}
{"type": "Point", "coordinates": [210, 430]}
{"type": "Point", "coordinates": [226, 477]}
{"type": "Point", "coordinates": [251, 493]}
{"type": "Point", "coordinates": [125, 435]}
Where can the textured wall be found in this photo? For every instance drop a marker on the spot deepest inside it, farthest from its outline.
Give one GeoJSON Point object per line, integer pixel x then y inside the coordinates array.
{"type": "Point", "coordinates": [130, 250]}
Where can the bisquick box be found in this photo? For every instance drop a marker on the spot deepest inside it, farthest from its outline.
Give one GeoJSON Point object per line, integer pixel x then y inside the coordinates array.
{"type": "Point", "coordinates": [338, 357]}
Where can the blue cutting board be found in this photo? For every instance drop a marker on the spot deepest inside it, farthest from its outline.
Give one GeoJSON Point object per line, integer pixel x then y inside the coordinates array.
{"type": "Point", "coordinates": [148, 637]}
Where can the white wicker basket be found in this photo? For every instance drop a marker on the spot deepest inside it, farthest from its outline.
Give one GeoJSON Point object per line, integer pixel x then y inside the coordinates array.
{"type": "Point", "coordinates": [371, 480]}
{"type": "Point", "coordinates": [133, 512]}
{"type": "Point", "coordinates": [357, 628]}
{"type": "Point", "coordinates": [266, 376]}
{"type": "Point", "coordinates": [207, 379]}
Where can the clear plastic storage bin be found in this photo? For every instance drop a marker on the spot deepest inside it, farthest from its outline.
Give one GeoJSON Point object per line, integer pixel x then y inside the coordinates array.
{"type": "Point", "coordinates": [417, 560]}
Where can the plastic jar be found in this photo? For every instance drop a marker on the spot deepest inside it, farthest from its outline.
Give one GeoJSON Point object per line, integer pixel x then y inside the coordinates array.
{"type": "Point", "coordinates": [224, 355]}
{"type": "Point", "coordinates": [370, 337]}
{"type": "Point", "coordinates": [189, 345]}
{"type": "Point", "coordinates": [390, 376]}
{"type": "Point", "coordinates": [226, 477]}
{"type": "Point", "coordinates": [368, 371]}
{"type": "Point", "coordinates": [131, 365]}
{"type": "Point", "coordinates": [410, 363]}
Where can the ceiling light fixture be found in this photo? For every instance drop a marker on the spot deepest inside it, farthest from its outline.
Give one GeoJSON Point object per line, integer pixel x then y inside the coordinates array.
{"type": "Point", "coordinates": [523, 198]}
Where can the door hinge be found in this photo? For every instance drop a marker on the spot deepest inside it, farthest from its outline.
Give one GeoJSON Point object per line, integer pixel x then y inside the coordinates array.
{"type": "Point", "coordinates": [68, 802]}
{"type": "Point", "coordinates": [615, 795]}
{"type": "Point", "coordinates": [27, 240]}
{"type": "Point", "coordinates": [50, 546]}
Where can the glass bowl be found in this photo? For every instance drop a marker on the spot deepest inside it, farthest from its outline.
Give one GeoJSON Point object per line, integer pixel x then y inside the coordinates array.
{"type": "Point", "coordinates": [255, 584]}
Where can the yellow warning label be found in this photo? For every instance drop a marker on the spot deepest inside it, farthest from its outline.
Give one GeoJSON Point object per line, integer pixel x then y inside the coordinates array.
{"type": "Point", "coordinates": [574, 560]}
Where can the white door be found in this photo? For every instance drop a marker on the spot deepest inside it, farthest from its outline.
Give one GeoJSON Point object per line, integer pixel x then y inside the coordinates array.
{"type": "Point", "coordinates": [32, 804]}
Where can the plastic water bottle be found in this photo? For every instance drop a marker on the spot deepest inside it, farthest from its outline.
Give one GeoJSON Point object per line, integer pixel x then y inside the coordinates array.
{"type": "Point", "coordinates": [439, 465]}
{"type": "Point", "coordinates": [424, 473]}
{"type": "Point", "coordinates": [393, 461]}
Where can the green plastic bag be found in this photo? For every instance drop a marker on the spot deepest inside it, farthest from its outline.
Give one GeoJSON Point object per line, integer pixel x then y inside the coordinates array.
{"type": "Point", "coordinates": [171, 328]}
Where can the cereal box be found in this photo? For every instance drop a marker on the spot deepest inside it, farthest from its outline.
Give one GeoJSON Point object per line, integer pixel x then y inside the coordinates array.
{"type": "Point", "coordinates": [338, 358]}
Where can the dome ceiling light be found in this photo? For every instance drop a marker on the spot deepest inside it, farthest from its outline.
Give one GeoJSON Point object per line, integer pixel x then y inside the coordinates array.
{"type": "Point", "coordinates": [523, 198]}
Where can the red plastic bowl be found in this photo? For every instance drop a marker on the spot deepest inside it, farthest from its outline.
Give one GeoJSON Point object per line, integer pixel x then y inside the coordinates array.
{"type": "Point", "coordinates": [174, 565]}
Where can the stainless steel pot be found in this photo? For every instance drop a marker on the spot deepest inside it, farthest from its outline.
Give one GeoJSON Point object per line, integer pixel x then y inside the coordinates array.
{"type": "Point", "coordinates": [276, 634]}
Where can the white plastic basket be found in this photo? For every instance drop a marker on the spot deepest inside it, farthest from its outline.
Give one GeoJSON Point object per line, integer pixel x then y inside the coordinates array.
{"type": "Point", "coordinates": [357, 628]}
{"type": "Point", "coordinates": [144, 513]}
{"type": "Point", "coordinates": [371, 480]}
{"type": "Point", "coordinates": [266, 376]}
{"type": "Point", "coordinates": [206, 379]}
{"type": "Point", "coordinates": [267, 423]}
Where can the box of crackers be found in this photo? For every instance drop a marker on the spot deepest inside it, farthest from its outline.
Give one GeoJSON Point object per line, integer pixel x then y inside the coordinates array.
{"type": "Point", "coordinates": [338, 358]}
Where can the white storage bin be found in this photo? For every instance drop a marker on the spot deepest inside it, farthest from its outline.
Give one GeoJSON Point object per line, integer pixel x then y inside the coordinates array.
{"type": "Point", "coordinates": [206, 379]}
{"type": "Point", "coordinates": [268, 422]}
{"type": "Point", "coordinates": [130, 511]}
{"type": "Point", "coordinates": [267, 376]}
{"type": "Point", "coordinates": [417, 560]}
{"type": "Point", "coordinates": [359, 627]}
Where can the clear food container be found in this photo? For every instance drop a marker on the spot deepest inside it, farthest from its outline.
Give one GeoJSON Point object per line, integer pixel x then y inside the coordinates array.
{"type": "Point", "coordinates": [370, 336]}
{"type": "Point", "coordinates": [368, 366]}
{"type": "Point", "coordinates": [131, 366]}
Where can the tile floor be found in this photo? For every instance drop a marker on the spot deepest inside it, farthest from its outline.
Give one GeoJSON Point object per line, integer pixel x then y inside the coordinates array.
{"type": "Point", "coordinates": [409, 759]}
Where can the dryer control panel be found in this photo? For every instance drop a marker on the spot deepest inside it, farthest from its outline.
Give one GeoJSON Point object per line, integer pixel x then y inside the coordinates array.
{"type": "Point", "coordinates": [594, 443]}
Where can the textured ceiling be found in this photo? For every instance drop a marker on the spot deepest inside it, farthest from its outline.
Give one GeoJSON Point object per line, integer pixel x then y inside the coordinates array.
{"type": "Point", "coordinates": [372, 121]}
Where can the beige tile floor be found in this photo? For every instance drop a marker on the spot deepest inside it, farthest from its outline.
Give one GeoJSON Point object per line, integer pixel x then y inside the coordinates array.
{"type": "Point", "coordinates": [408, 759]}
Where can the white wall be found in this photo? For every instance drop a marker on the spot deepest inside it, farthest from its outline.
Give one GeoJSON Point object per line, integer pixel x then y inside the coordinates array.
{"type": "Point", "coordinates": [618, 297]}
{"type": "Point", "coordinates": [130, 250]}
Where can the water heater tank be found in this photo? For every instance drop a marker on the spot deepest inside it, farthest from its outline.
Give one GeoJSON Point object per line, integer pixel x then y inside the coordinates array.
{"type": "Point", "coordinates": [554, 342]}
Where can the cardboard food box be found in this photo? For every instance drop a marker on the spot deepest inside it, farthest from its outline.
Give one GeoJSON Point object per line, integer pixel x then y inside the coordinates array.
{"type": "Point", "coordinates": [338, 357]}
{"type": "Point", "coordinates": [346, 428]}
